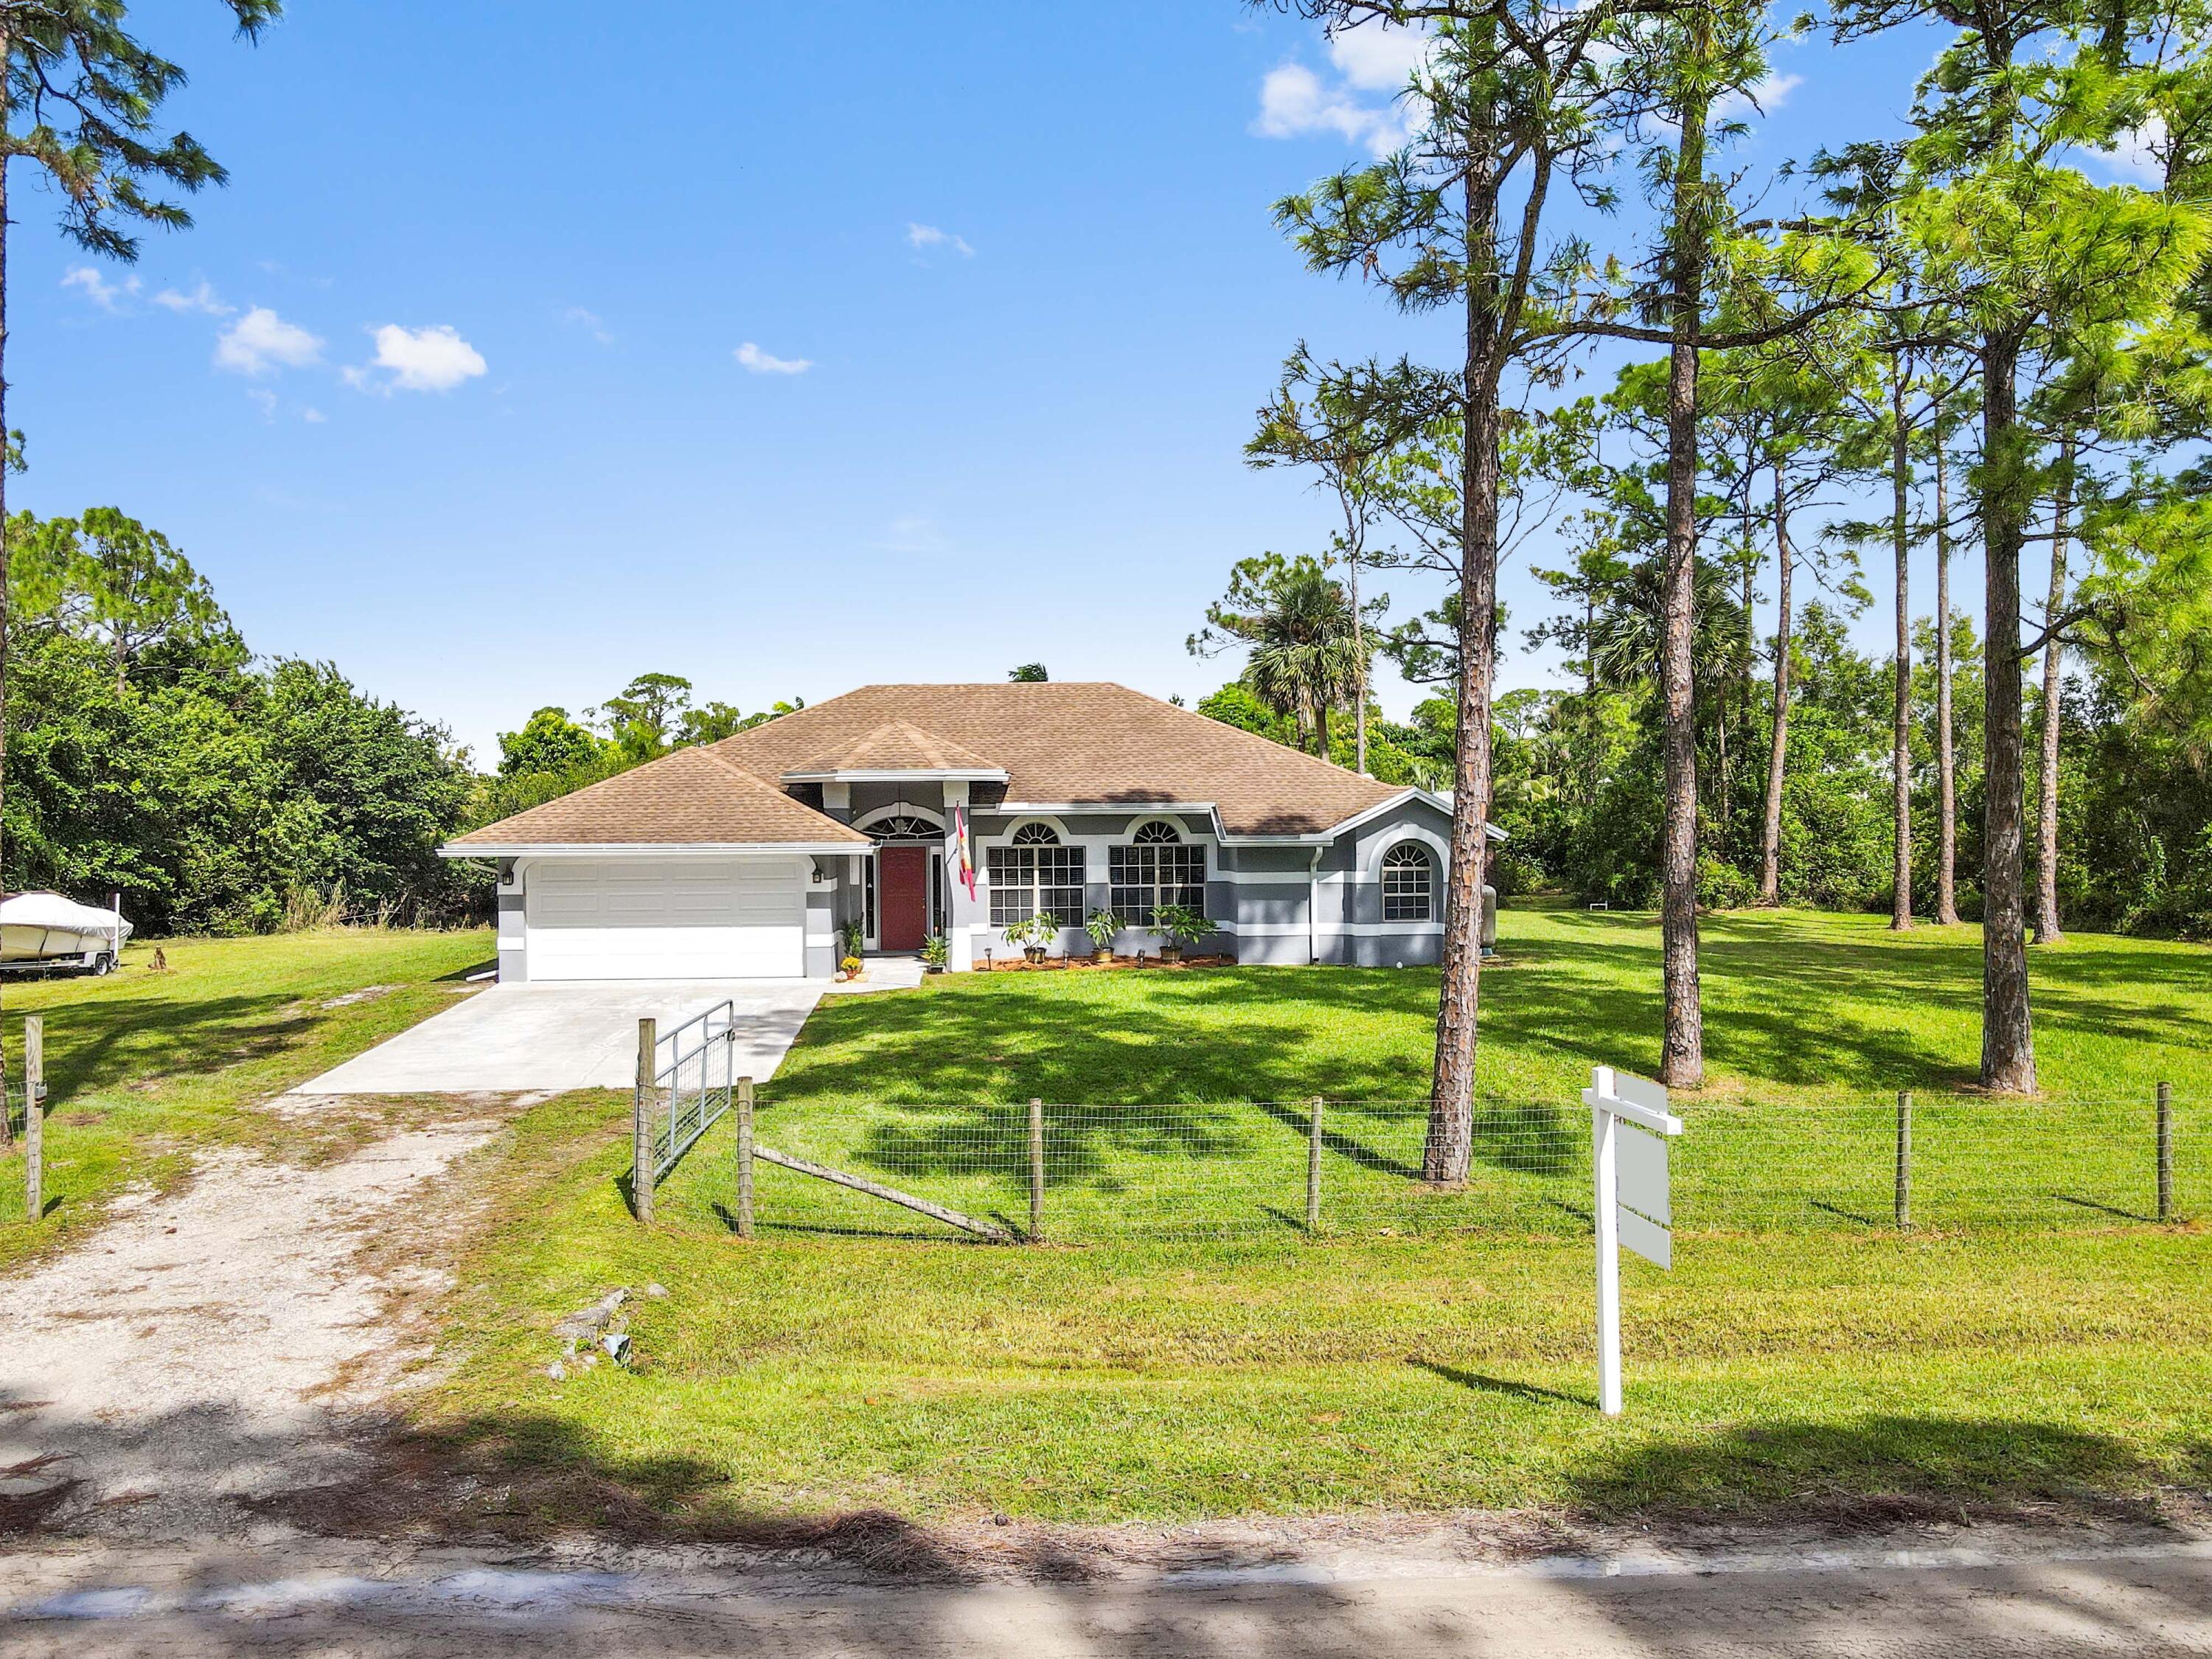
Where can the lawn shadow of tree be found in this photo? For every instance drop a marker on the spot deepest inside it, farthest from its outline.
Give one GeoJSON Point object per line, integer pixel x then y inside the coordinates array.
{"type": "Point", "coordinates": [92, 1046]}
{"type": "Point", "coordinates": [1884, 1465]}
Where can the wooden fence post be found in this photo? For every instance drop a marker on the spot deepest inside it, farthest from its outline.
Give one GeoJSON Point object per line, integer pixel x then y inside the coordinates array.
{"type": "Point", "coordinates": [35, 1118]}
{"type": "Point", "coordinates": [744, 1157]}
{"type": "Point", "coordinates": [1313, 1170]}
{"type": "Point", "coordinates": [641, 1120]}
{"type": "Point", "coordinates": [1036, 1171]}
{"type": "Point", "coordinates": [2165, 1151]}
{"type": "Point", "coordinates": [1903, 1163]}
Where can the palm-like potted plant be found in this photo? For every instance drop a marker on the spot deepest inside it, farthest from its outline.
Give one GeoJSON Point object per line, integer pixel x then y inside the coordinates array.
{"type": "Point", "coordinates": [936, 951]}
{"type": "Point", "coordinates": [1034, 936]}
{"type": "Point", "coordinates": [1104, 927]}
{"type": "Point", "coordinates": [1178, 925]}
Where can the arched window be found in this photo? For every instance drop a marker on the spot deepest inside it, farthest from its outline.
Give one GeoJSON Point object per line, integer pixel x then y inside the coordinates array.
{"type": "Point", "coordinates": [1036, 875]}
{"type": "Point", "coordinates": [905, 828]}
{"type": "Point", "coordinates": [1407, 887]}
{"type": "Point", "coordinates": [1156, 867]}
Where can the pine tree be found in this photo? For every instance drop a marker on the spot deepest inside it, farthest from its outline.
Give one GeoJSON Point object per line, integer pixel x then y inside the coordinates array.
{"type": "Point", "coordinates": [78, 99]}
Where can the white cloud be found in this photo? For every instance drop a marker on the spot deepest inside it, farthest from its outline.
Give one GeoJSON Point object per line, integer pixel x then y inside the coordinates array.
{"type": "Point", "coordinates": [578, 317]}
{"type": "Point", "coordinates": [435, 359]}
{"type": "Point", "coordinates": [312, 415]}
{"type": "Point", "coordinates": [2140, 156]}
{"type": "Point", "coordinates": [1377, 58]}
{"type": "Point", "coordinates": [757, 362]}
{"type": "Point", "coordinates": [1372, 63]}
{"type": "Point", "coordinates": [97, 289]}
{"type": "Point", "coordinates": [262, 399]}
{"type": "Point", "coordinates": [261, 341]}
{"type": "Point", "coordinates": [928, 236]}
{"type": "Point", "coordinates": [202, 299]}
{"type": "Point", "coordinates": [1763, 98]}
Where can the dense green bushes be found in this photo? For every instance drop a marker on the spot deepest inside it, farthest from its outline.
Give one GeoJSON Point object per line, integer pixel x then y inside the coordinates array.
{"type": "Point", "coordinates": [149, 753]}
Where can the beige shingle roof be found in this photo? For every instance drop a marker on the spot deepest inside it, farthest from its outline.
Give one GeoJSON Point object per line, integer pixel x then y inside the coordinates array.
{"type": "Point", "coordinates": [895, 746]}
{"type": "Point", "coordinates": [1068, 742]}
{"type": "Point", "coordinates": [691, 798]}
{"type": "Point", "coordinates": [1060, 743]}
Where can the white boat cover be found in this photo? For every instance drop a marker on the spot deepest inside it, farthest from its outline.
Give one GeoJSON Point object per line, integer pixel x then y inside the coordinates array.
{"type": "Point", "coordinates": [53, 911]}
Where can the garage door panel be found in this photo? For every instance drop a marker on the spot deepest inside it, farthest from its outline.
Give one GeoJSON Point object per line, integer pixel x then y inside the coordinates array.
{"type": "Point", "coordinates": [651, 919]}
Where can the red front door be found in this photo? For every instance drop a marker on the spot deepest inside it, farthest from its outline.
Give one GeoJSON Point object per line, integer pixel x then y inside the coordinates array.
{"type": "Point", "coordinates": [902, 897]}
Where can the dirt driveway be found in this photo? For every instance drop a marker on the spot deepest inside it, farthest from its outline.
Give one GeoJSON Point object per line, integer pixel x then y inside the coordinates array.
{"type": "Point", "coordinates": [205, 1350]}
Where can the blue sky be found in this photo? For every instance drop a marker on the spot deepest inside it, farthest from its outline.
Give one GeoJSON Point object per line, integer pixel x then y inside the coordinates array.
{"type": "Point", "coordinates": [525, 352]}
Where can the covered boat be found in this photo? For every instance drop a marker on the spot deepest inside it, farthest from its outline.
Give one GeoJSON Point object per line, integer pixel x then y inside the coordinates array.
{"type": "Point", "coordinates": [45, 930]}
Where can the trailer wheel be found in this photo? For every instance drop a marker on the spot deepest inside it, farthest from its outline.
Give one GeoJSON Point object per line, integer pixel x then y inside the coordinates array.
{"type": "Point", "coordinates": [102, 965]}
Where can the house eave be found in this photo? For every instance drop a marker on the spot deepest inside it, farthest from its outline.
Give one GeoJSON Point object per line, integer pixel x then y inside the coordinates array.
{"type": "Point", "coordinates": [581, 849]}
{"type": "Point", "coordinates": [900, 775]}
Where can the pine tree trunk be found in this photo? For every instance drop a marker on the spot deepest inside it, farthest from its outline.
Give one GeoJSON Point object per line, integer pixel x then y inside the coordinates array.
{"type": "Point", "coordinates": [2008, 1029]}
{"type": "Point", "coordinates": [1946, 767]}
{"type": "Point", "coordinates": [1360, 689]}
{"type": "Point", "coordinates": [1682, 1058]}
{"type": "Point", "coordinates": [2047, 930]}
{"type": "Point", "coordinates": [1900, 755]}
{"type": "Point", "coordinates": [1778, 753]}
{"type": "Point", "coordinates": [1449, 1146]}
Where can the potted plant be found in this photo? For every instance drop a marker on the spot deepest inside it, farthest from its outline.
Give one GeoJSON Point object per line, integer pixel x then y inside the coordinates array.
{"type": "Point", "coordinates": [1103, 926]}
{"type": "Point", "coordinates": [936, 951]}
{"type": "Point", "coordinates": [1034, 936]}
{"type": "Point", "coordinates": [1178, 925]}
{"type": "Point", "coordinates": [849, 969]}
{"type": "Point", "coordinates": [853, 938]}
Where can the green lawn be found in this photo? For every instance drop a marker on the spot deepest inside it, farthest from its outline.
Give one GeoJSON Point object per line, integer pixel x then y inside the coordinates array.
{"type": "Point", "coordinates": [1799, 1357]}
{"type": "Point", "coordinates": [143, 1068]}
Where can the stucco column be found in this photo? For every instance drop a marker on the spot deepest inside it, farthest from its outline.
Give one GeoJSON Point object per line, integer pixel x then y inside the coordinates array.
{"type": "Point", "coordinates": [961, 912]}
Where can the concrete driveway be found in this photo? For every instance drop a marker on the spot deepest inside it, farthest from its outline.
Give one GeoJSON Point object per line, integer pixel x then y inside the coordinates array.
{"type": "Point", "coordinates": [578, 1035]}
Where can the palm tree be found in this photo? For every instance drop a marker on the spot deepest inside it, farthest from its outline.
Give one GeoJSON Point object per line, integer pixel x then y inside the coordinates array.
{"type": "Point", "coordinates": [1626, 636]}
{"type": "Point", "coordinates": [1306, 650]}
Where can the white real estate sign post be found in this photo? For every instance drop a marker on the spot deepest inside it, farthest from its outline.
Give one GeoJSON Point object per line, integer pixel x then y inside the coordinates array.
{"type": "Point", "coordinates": [1630, 1127]}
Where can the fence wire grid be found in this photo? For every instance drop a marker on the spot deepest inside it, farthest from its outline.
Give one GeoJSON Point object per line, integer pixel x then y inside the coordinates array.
{"type": "Point", "coordinates": [1228, 1168]}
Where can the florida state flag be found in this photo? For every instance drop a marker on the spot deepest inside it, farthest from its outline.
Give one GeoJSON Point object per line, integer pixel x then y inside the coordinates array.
{"type": "Point", "coordinates": [967, 859]}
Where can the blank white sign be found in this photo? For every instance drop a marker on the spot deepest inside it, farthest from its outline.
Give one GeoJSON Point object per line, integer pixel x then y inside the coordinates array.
{"type": "Point", "coordinates": [1642, 1090]}
{"type": "Point", "coordinates": [1647, 1238]}
{"type": "Point", "coordinates": [1643, 1173]}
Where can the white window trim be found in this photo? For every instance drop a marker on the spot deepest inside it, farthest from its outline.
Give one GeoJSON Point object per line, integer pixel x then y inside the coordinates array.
{"type": "Point", "coordinates": [1433, 865]}
{"type": "Point", "coordinates": [1128, 838]}
{"type": "Point", "coordinates": [1436, 844]}
{"type": "Point", "coordinates": [902, 809]}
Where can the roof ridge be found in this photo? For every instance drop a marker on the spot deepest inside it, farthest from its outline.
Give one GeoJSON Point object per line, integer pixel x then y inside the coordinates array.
{"type": "Point", "coordinates": [727, 764]}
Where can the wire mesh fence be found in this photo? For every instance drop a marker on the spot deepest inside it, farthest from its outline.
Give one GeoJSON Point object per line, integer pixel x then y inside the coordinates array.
{"type": "Point", "coordinates": [1103, 1173]}
{"type": "Point", "coordinates": [694, 1073]}
{"type": "Point", "coordinates": [14, 1195]}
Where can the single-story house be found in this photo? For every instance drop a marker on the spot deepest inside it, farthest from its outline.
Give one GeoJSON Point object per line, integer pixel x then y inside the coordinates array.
{"type": "Point", "coordinates": [750, 857]}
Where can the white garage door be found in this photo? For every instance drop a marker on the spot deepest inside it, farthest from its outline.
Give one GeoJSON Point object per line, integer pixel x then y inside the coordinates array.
{"type": "Point", "coordinates": [666, 918]}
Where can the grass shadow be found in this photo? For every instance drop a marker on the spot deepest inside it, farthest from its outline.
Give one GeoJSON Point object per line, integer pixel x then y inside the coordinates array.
{"type": "Point", "coordinates": [1843, 1214]}
{"type": "Point", "coordinates": [2103, 1209]}
{"type": "Point", "coordinates": [1892, 1467]}
{"type": "Point", "coordinates": [1483, 1383]}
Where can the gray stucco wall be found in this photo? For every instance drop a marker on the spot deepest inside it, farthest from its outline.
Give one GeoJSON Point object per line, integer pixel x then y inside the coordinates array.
{"type": "Point", "coordinates": [821, 931]}
{"type": "Point", "coordinates": [514, 958]}
{"type": "Point", "coordinates": [1265, 896]}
